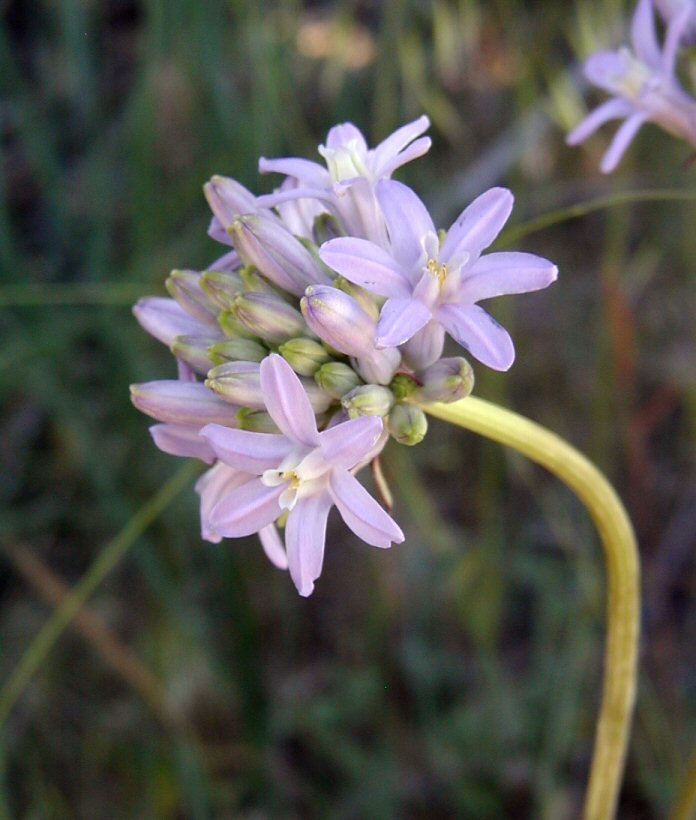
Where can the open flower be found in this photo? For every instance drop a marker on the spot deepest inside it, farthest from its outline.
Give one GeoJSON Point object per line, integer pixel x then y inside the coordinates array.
{"type": "Point", "coordinates": [643, 83]}
{"type": "Point", "coordinates": [433, 287]}
{"type": "Point", "coordinates": [346, 185]}
{"type": "Point", "coordinates": [302, 471]}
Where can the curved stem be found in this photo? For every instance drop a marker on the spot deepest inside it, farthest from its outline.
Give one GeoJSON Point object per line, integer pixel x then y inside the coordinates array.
{"type": "Point", "coordinates": [621, 557]}
{"type": "Point", "coordinates": [685, 807]}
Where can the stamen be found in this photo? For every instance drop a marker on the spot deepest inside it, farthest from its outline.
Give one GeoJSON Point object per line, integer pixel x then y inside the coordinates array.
{"type": "Point", "coordinates": [437, 269]}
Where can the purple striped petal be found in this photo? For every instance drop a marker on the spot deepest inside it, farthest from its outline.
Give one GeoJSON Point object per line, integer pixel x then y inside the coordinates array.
{"type": "Point", "coordinates": [251, 452]}
{"type": "Point", "coordinates": [622, 139]}
{"type": "Point", "coordinates": [365, 264]}
{"type": "Point", "coordinates": [361, 512]}
{"type": "Point", "coordinates": [246, 509]}
{"type": "Point", "coordinates": [305, 538]}
{"type": "Point", "coordinates": [165, 319]}
{"type": "Point", "coordinates": [478, 333]}
{"type": "Point", "coordinates": [182, 440]}
{"type": "Point", "coordinates": [400, 320]}
{"type": "Point", "coordinates": [287, 402]}
{"type": "Point", "coordinates": [643, 34]}
{"type": "Point", "coordinates": [425, 347]}
{"type": "Point", "coordinates": [273, 546]}
{"type": "Point", "coordinates": [408, 222]}
{"type": "Point", "coordinates": [346, 444]}
{"type": "Point", "coordinates": [180, 402]}
{"type": "Point", "coordinates": [498, 274]}
{"type": "Point", "coordinates": [610, 110]}
{"type": "Point", "coordinates": [477, 226]}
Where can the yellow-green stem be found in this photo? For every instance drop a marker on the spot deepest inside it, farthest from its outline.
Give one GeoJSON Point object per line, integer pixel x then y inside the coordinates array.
{"type": "Point", "coordinates": [685, 807]}
{"type": "Point", "coordinates": [623, 578]}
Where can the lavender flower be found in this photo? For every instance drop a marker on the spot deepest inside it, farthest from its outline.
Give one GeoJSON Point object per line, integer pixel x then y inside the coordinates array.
{"type": "Point", "coordinates": [433, 287]}
{"type": "Point", "coordinates": [643, 84]}
{"type": "Point", "coordinates": [302, 471]}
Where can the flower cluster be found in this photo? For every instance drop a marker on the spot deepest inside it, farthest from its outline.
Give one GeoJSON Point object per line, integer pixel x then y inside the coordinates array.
{"type": "Point", "coordinates": [318, 335]}
{"type": "Point", "coordinates": [642, 81]}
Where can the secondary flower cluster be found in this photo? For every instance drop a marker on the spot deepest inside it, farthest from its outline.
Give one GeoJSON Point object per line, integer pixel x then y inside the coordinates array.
{"type": "Point", "coordinates": [642, 80]}
{"type": "Point", "coordinates": [318, 335]}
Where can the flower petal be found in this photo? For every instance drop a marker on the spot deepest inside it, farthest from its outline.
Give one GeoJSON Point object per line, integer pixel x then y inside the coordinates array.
{"type": "Point", "coordinates": [390, 148]}
{"type": "Point", "coordinates": [273, 546]}
{"type": "Point", "coordinates": [182, 402]}
{"type": "Point", "coordinates": [479, 333]}
{"type": "Point", "coordinates": [182, 440]}
{"type": "Point", "coordinates": [415, 150]}
{"type": "Point", "coordinates": [477, 226]}
{"type": "Point", "coordinates": [622, 139]}
{"type": "Point", "coordinates": [340, 136]}
{"type": "Point", "coordinates": [612, 109]}
{"type": "Point", "coordinates": [643, 34]}
{"type": "Point", "coordinates": [400, 320]}
{"type": "Point", "coordinates": [346, 444]}
{"type": "Point", "coordinates": [287, 402]}
{"type": "Point", "coordinates": [365, 264]}
{"type": "Point", "coordinates": [213, 485]}
{"type": "Point", "coordinates": [497, 274]}
{"type": "Point", "coordinates": [165, 319]}
{"type": "Point", "coordinates": [305, 539]}
{"type": "Point", "coordinates": [676, 29]}
{"type": "Point", "coordinates": [308, 172]}
{"type": "Point", "coordinates": [425, 347]}
{"type": "Point", "coordinates": [361, 512]}
{"type": "Point", "coordinates": [408, 222]}
{"type": "Point", "coordinates": [246, 509]}
{"type": "Point", "coordinates": [251, 452]}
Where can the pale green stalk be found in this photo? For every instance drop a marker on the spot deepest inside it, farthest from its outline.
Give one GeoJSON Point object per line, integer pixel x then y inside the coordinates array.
{"type": "Point", "coordinates": [623, 578]}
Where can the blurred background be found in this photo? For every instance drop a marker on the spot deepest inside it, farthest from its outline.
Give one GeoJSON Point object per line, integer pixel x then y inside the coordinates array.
{"type": "Point", "coordinates": [456, 675]}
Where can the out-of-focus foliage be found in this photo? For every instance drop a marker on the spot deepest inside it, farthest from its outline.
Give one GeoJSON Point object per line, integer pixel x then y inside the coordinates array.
{"type": "Point", "coordinates": [456, 675]}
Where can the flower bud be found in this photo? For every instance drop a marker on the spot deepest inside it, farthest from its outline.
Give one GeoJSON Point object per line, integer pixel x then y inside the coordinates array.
{"type": "Point", "coordinates": [237, 382]}
{"type": "Point", "coordinates": [237, 350]}
{"type": "Point", "coordinates": [337, 379]}
{"type": "Point", "coordinates": [194, 351]}
{"type": "Point", "coordinates": [325, 227]}
{"type": "Point", "coordinates": [269, 317]}
{"type": "Point", "coordinates": [258, 421]}
{"type": "Point", "coordinates": [222, 287]}
{"type": "Point", "coordinates": [180, 402]}
{"type": "Point", "coordinates": [407, 424]}
{"type": "Point", "coordinates": [253, 281]}
{"type": "Point", "coordinates": [305, 356]}
{"type": "Point", "coordinates": [338, 319]}
{"type": "Point", "coordinates": [365, 299]}
{"type": "Point", "coordinates": [165, 319]}
{"type": "Point", "coordinates": [447, 380]}
{"type": "Point", "coordinates": [232, 327]}
{"type": "Point", "coordinates": [368, 400]}
{"type": "Point", "coordinates": [228, 199]}
{"type": "Point", "coordinates": [266, 244]}
{"type": "Point", "coordinates": [378, 366]}
{"type": "Point", "coordinates": [185, 287]}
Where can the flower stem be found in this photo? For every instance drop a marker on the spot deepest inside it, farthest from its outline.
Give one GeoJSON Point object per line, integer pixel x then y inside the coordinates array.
{"type": "Point", "coordinates": [623, 578]}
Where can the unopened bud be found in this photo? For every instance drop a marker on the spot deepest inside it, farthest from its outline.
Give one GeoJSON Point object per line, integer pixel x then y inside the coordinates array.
{"type": "Point", "coordinates": [237, 350]}
{"type": "Point", "coordinates": [269, 317]}
{"type": "Point", "coordinates": [407, 424]}
{"type": "Point", "coordinates": [325, 227]}
{"type": "Point", "coordinates": [447, 380]}
{"type": "Point", "coordinates": [228, 199]}
{"type": "Point", "coordinates": [258, 421]}
{"type": "Point", "coordinates": [365, 299]}
{"type": "Point", "coordinates": [305, 356]}
{"type": "Point", "coordinates": [194, 351]}
{"type": "Point", "coordinates": [237, 382]}
{"type": "Point", "coordinates": [185, 286]}
{"type": "Point", "coordinates": [253, 281]}
{"type": "Point", "coordinates": [232, 327]}
{"type": "Point", "coordinates": [263, 242]}
{"type": "Point", "coordinates": [368, 400]}
{"type": "Point", "coordinates": [339, 320]}
{"type": "Point", "coordinates": [222, 287]}
{"type": "Point", "coordinates": [337, 379]}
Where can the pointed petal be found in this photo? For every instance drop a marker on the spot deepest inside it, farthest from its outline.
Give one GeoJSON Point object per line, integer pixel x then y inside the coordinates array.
{"type": "Point", "coordinates": [408, 222]}
{"type": "Point", "coordinates": [394, 144]}
{"type": "Point", "coordinates": [366, 264]}
{"type": "Point", "coordinates": [273, 546]}
{"type": "Point", "coordinates": [306, 171]}
{"type": "Point", "coordinates": [305, 539]}
{"type": "Point", "coordinates": [346, 444]}
{"type": "Point", "coordinates": [675, 31]}
{"type": "Point", "coordinates": [361, 512]}
{"type": "Point", "coordinates": [425, 347]}
{"type": "Point", "coordinates": [165, 319]}
{"type": "Point", "coordinates": [227, 262]}
{"type": "Point", "coordinates": [610, 110]}
{"type": "Point", "coordinates": [479, 333]}
{"type": "Point", "coordinates": [415, 150]}
{"type": "Point", "coordinates": [497, 274]}
{"type": "Point", "coordinates": [287, 402]}
{"type": "Point", "coordinates": [341, 135]}
{"type": "Point", "coordinates": [478, 225]}
{"type": "Point", "coordinates": [643, 34]}
{"type": "Point", "coordinates": [251, 452]}
{"type": "Point", "coordinates": [182, 440]}
{"type": "Point", "coordinates": [400, 320]}
{"type": "Point", "coordinates": [246, 509]}
{"type": "Point", "coordinates": [622, 139]}
{"type": "Point", "coordinates": [180, 402]}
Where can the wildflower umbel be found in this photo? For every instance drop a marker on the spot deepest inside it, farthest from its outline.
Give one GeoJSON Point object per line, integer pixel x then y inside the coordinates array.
{"type": "Point", "coordinates": [293, 370]}
{"type": "Point", "coordinates": [643, 82]}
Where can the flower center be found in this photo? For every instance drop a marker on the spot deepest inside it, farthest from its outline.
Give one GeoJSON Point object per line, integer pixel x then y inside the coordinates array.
{"type": "Point", "coordinates": [437, 269]}
{"type": "Point", "coordinates": [345, 162]}
{"type": "Point", "coordinates": [300, 472]}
